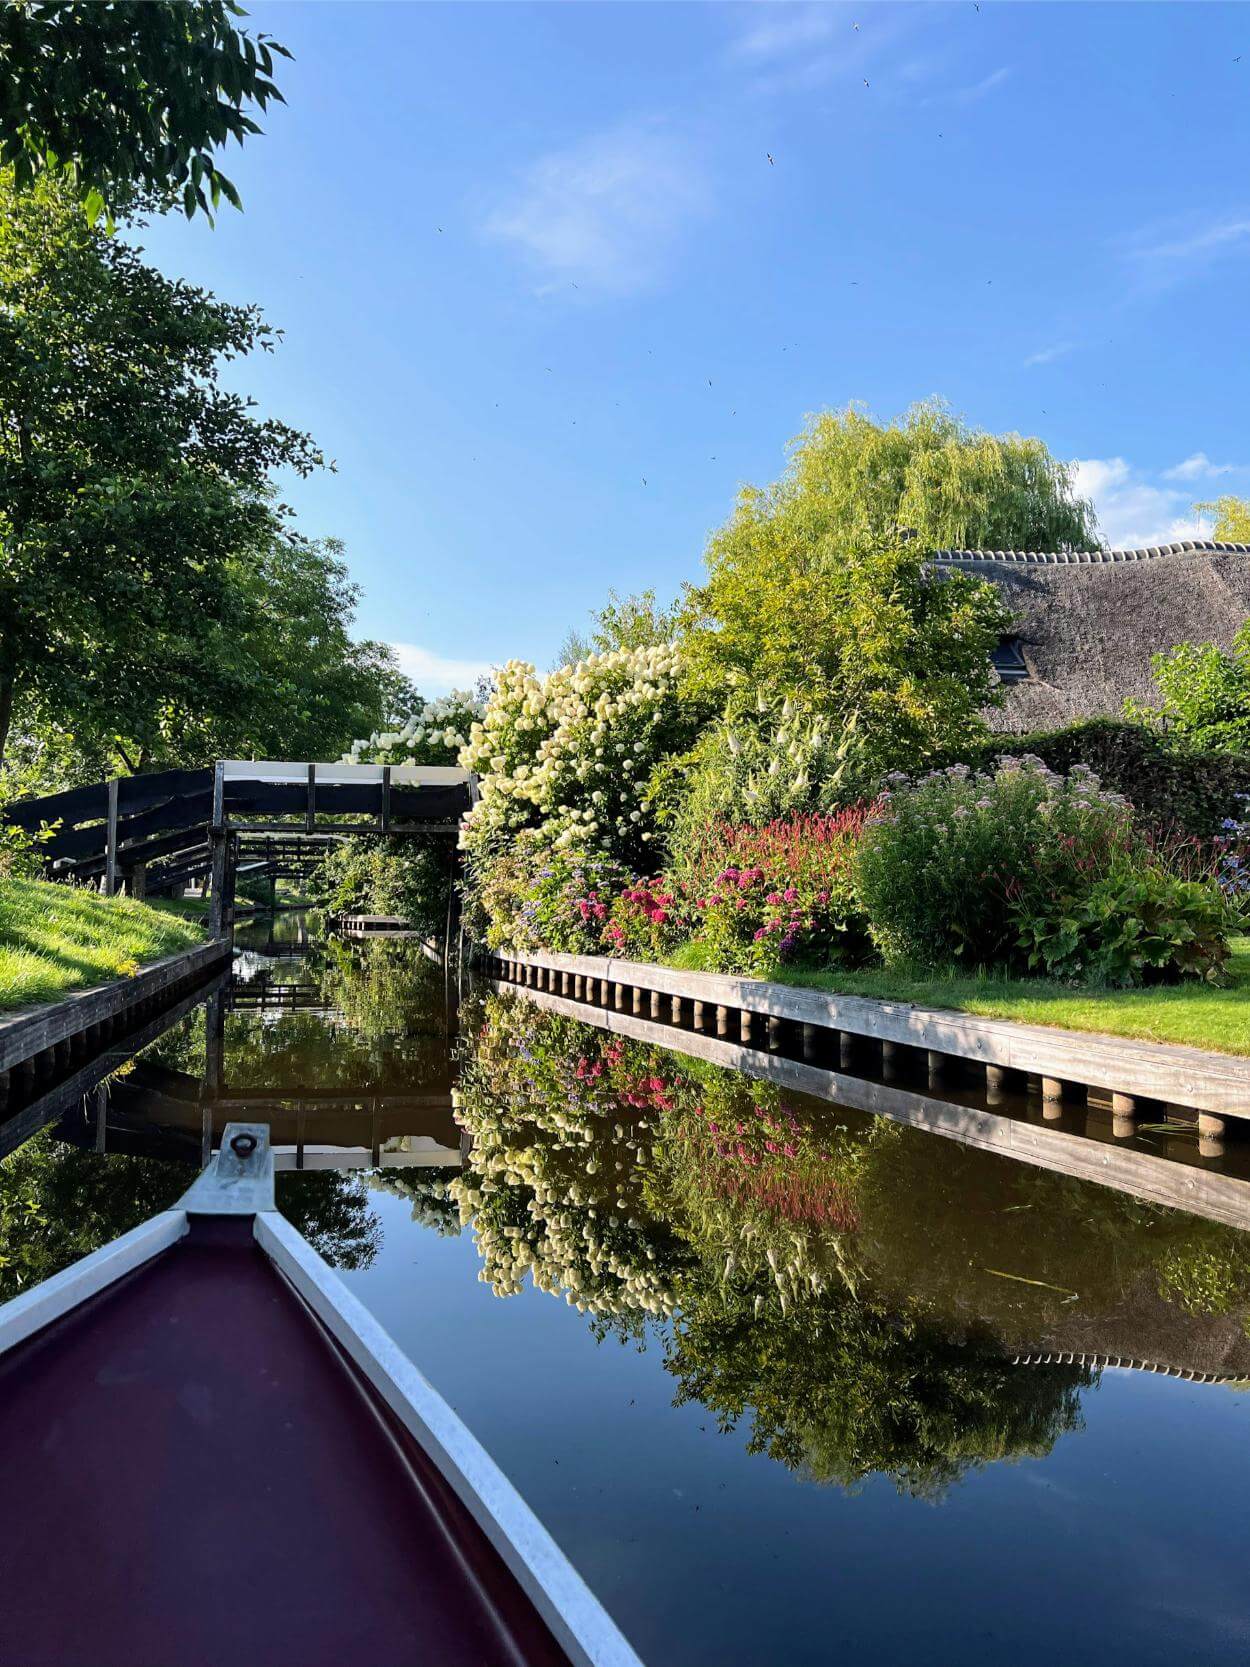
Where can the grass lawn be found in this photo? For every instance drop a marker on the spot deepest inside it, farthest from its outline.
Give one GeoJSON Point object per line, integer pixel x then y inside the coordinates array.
{"type": "Point", "coordinates": [55, 938]}
{"type": "Point", "coordinates": [1194, 1014]}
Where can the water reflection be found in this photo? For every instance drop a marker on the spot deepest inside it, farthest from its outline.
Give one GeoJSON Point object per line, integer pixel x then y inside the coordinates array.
{"type": "Point", "coordinates": [840, 1295]}
{"type": "Point", "coordinates": [856, 1292]}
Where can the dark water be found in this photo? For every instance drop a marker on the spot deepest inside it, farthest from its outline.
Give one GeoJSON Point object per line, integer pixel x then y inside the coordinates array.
{"type": "Point", "coordinates": [789, 1382]}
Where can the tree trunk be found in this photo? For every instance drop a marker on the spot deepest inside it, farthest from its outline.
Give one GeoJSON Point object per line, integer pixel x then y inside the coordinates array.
{"type": "Point", "coordinates": [7, 682]}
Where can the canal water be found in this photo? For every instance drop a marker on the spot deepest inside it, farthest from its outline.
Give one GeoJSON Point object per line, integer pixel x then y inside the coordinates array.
{"type": "Point", "coordinates": [789, 1382]}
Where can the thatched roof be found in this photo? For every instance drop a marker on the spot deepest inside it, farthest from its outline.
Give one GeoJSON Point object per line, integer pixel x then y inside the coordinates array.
{"type": "Point", "coordinates": [1086, 622]}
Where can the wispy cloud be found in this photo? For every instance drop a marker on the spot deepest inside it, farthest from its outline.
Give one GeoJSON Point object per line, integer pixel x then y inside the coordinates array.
{"type": "Point", "coordinates": [1132, 510]}
{"type": "Point", "coordinates": [606, 214]}
{"type": "Point", "coordinates": [792, 48]}
{"type": "Point", "coordinates": [1164, 257]}
{"type": "Point", "coordinates": [1200, 467]}
{"type": "Point", "coordinates": [435, 674]}
{"type": "Point", "coordinates": [1048, 355]}
{"type": "Point", "coordinates": [979, 89]}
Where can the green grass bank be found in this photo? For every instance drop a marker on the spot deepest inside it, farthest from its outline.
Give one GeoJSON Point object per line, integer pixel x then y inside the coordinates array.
{"type": "Point", "coordinates": [58, 938]}
{"type": "Point", "coordinates": [1194, 1015]}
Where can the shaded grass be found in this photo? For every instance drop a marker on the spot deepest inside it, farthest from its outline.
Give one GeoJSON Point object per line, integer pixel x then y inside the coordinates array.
{"type": "Point", "coordinates": [1195, 1015]}
{"type": "Point", "coordinates": [186, 908]}
{"type": "Point", "coordinates": [56, 938]}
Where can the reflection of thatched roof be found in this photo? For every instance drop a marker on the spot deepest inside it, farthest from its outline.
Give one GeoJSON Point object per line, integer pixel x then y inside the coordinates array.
{"type": "Point", "coordinates": [1147, 1331]}
{"type": "Point", "coordinates": [1087, 622]}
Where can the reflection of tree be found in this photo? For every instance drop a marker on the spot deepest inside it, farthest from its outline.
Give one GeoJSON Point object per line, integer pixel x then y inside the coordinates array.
{"type": "Point", "coordinates": [385, 1027]}
{"type": "Point", "coordinates": [330, 1207]}
{"type": "Point", "coordinates": [856, 1289]}
{"type": "Point", "coordinates": [384, 988]}
{"type": "Point", "coordinates": [843, 1387]}
{"type": "Point", "coordinates": [58, 1203]}
{"type": "Point", "coordinates": [429, 1191]}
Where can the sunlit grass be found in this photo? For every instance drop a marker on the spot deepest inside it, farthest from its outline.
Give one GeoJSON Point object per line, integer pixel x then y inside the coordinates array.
{"type": "Point", "coordinates": [1197, 1015]}
{"type": "Point", "coordinates": [55, 938]}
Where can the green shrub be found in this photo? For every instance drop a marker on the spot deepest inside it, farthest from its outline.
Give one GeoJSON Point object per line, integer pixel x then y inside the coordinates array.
{"type": "Point", "coordinates": [1170, 787]}
{"type": "Point", "coordinates": [1027, 870]}
{"type": "Point", "coordinates": [1205, 695]}
{"type": "Point", "coordinates": [381, 876]}
{"type": "Point", "coordinates": [1132, 926]}
{"type": "Point", "coordinates": [751, 768]}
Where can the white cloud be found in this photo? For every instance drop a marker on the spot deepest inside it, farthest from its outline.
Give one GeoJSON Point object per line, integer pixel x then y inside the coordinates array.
{"type": "Point", "coordinates": [1199, 467]}
{"type": "Point", "coordinates": [606, 214]}
{"type": "Point", "coordinates": [788, 49]}
{"type": "Point", "coordinates": [1047, 355]}
{"type": "Point", "coordinates": [1132, 511]}
{"type": "Point", "coordinates": [433, 673]}
{"type": "Point", "coordinates": [1198, 245]}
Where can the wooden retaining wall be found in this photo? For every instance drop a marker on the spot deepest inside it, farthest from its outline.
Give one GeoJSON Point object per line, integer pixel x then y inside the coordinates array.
{"type": "Point", "coordinates": [1137, 1075]}
{"type": "Point", "coordinates": [133, 1033]}
{"type": "Point", "coordinates": [44, 1041]}
{"type": "Point", "coordinates": [1180, 1181]}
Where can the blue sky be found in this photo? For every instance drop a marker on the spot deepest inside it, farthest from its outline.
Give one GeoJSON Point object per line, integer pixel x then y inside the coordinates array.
{"type": "Point", "coordinates": [548, 303]}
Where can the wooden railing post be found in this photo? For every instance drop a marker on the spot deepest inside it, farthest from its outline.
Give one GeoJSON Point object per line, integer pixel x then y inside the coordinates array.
{"type": "Point", "coordinates": [217, 840]}
{"type": "Point", "coordinates": [110, 842]}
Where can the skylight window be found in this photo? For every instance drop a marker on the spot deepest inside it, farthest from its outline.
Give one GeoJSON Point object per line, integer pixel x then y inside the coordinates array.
{"type": "Point", "coordinates": [1009, 661]}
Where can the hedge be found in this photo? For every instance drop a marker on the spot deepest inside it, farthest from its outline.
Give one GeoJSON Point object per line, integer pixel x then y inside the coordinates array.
{"type": "Point", "coordinates": [1171, 787]}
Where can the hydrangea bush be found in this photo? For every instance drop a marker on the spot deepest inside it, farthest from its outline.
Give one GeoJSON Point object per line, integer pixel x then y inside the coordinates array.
{"type": "Point", "coordinates": [1027, 870]}
{"type": "Point", "coordinates": [436, 734]}
{"type": "Point", "coordinates": [571, 754]}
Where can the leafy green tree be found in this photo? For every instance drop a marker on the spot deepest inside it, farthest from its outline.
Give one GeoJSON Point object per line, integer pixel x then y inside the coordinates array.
{"type": "Point", "coordinates": [117, 96]}
{"type": "Point", "coordinates": [132, 485]}
{"type": "Point", "coordinates": [818, 588]}
{"type": "Point", "coordinates": [623, 622]}
{"type": "Point", "coordinates": [861, 634]}
{"type": "Point", "coordinates": [1205, 696]}
{"type": "Point", "coordinates": [280, 676]}
{"type": "Point", "coordinates": [1232, 519]}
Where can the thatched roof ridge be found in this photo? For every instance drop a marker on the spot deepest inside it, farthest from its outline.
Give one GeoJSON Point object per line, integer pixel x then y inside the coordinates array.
{"type": "Point", "coordinates": [1087, 623]}
{"type": "Point", "coordinates": [1063, 558]}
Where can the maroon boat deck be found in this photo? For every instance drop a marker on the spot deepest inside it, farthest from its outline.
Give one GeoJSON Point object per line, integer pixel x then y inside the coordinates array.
{"type": "Point", "coordinates": [191, 1475]}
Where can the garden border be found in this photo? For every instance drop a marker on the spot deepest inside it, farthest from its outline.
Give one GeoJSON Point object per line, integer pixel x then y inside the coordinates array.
{"type": "Point", "coordinates": [1216, 1086]}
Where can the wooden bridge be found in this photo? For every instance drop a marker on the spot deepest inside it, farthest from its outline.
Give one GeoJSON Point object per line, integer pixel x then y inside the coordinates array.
{"type": "Point", "coordinates": [155, 832]}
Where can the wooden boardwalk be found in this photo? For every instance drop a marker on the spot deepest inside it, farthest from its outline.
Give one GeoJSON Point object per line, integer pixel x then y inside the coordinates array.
{"type": "Point", "coordinates": [1185, 1181]}
{"type": "Point", "coordinates": [1137, 1075]}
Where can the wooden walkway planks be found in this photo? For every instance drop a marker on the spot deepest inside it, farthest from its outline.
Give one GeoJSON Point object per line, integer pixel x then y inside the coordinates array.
{"type": "Point", "coordinates": [1214, 1083]}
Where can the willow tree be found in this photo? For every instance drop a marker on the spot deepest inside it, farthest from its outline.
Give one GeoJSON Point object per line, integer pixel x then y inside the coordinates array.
{"type": "Point", "coordinates": [819, 590]}
{"type": "Point", "coordinates": [928, 476]}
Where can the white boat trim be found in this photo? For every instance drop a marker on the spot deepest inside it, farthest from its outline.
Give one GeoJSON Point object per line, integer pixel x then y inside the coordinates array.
{"type": "Point", "coordinates": [575, 1616]}
{"type": "Point", "coordinates": [30, 1312]}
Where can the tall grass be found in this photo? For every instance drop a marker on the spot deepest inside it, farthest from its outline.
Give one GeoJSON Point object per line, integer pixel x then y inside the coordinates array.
{"type": "Point", "coordinates": [56, 938]}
